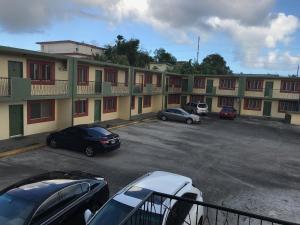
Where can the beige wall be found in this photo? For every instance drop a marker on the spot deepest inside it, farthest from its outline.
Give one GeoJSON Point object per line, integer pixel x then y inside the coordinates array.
{"type": "Point", "coordinates": [156, 105]}
{"type": "Point", "coordinates": [124, 108]}
{"type": "Point", "coordinates": [64, 113]}
{"type": "Point", "coordinates": [295, 118]}
{"type": "Point", "coordinates": [4, 121]}
{"type": "Point", "coordinates": [135, 110]}
{"type": "Point", "coordinates": [90, 117]}
{"type": "Point", "coordinates": [251, 112]}
{"type": "Point", "coordinates": [157, 102]}
{"type": "Point", "coordinates": [110, 116]}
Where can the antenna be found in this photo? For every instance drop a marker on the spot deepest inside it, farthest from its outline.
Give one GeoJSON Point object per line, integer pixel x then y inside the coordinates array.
{"type": "Point", "coordinates": [298, 71]}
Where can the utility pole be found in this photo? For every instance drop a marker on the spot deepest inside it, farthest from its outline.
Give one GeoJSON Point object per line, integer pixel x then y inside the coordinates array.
{"type": "Point", "coordinates": [298, 70]}
{"type": "Point", "coordinates": [198, 50]}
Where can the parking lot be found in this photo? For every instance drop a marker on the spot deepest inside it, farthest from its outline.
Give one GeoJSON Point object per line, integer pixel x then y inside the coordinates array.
{"type": "Point", "coordinates": [247, 164]}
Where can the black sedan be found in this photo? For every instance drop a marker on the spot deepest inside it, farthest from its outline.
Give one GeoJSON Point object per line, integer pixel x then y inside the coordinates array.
{"type": "Point", "coordinates": [52, 198]}
{"type": "Point", "coordinates": [87, 138]}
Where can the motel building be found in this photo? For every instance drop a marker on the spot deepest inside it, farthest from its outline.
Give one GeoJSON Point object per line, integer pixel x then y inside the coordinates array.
{"type": "Point", "coordinates": [43, 92]}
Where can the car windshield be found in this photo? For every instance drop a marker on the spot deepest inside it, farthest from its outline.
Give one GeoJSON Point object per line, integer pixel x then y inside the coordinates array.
{"type": "Point", "coordinates": [98, 132]}
{"type": "Point", "coordinates": [227, 109]}
{"type": "Point", "coordinates": [183, 112]}
{"type": "Point", "coordinates": [115, 212]}
{"type": "Point", "coordinates": [14, 210]}
{"type": "Point", "coordinates": [202, 105]}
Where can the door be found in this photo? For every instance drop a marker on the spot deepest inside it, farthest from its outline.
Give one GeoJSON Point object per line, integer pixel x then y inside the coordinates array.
{"type": "Point", "coordinates": [15, 69]}
{"type": "Point", "coordinates": [209, 86]}
{"type": "Point", "coordinates": [166, 102]}
{"type": "Point", "coordinates": [97, 113]}
{"type": "Point", "coordinates": [167, 84]}
{"type": "Point", "coordinates": [209, 103]}
{"type": "Point", "coordinates": [267, 108]}
{"type": "Point", "coordinates": [185, 85]}
{"type": "Point", "coordinates": [269, 89]}
{"type": "Point", "coordinates": [183, 101]}
{"type": "Point", "coordinates": [15, 120]}
{"type": "Point", "coordinates": [98, 81]}
{"type": "Point", "coordinates": [140, 105]}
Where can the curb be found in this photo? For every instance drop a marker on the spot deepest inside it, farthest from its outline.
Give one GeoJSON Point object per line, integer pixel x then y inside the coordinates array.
{"type": "Point", "coordinates": [17, 151]}
{"type": "Point", "coordinates": [20, 150]}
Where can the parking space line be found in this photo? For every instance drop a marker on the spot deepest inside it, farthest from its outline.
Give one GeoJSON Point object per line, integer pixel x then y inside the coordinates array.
{"type": "Point", "coordinates": [20, 150]}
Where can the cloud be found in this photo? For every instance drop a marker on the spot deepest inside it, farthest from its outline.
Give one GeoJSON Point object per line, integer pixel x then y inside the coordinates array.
{"type": "Point", "coordinates": [254, 40]}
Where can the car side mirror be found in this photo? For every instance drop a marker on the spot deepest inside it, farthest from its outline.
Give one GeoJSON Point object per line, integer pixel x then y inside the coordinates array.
{"type": "Point", "coordinates": [87, 216]}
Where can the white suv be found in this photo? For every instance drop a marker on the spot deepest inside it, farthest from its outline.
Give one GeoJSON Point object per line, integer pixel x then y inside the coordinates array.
{"type": "Point", "coordinates": [120, 205]}
{"type": "Point", "coordinates": [196, 108]}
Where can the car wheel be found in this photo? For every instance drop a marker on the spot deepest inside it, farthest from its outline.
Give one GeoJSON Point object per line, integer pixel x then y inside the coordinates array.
{"type": "Point", "coordinates": [53, 143]}
{"type": "Point", "coordinates": [189, 121]}
{"type": "Point", "coordinates": [89, 151]}
{"type": "Point", "coordinates": [163, 118]}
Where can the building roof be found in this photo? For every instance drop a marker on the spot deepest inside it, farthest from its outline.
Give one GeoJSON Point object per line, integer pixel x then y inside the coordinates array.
{"type": "Point", "coordinates": [70, 41]}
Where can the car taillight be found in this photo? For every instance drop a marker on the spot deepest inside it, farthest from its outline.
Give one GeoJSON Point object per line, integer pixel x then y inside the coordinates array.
{"type": "Point", "coordinates": [104, 140]}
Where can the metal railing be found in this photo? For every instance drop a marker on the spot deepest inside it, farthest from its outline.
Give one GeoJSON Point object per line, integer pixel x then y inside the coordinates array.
{"type": "Point", "coordinates": [146, 89]}
{"type": "Point", "coordinates": [137, 88]}
{"type": "Point", "coordinates": [174, 89]}
{"type": "Point", "coordinates": [119, 88]}
{"type": "Point", "coordinates": [156, 89]}
{"type": "Point", "coordinates": [46, 88]}
{"type": "Point", "coordinates": [4, 87]}
{"type": "Point", "coordinates": [158, 209]}
{"type": "Point", "coordinates": [89, 88]}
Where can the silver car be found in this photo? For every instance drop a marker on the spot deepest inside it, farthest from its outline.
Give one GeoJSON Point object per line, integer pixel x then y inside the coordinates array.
{"type": "Point", "coordinates": [178, 114]}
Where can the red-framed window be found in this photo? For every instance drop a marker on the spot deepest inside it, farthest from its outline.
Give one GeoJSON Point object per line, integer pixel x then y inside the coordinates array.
{"type": "Point", "coordinates": [82, 75]}
{"type": "Point", "coordinates": [199, 82]}
{"type": "Point", "coordinates": [126, 78]}
{"type": "Point", "coordinates": [254, 85]}
{"type": "Point", "coordinates": [197, 98]}
{"type": "Point", "coordinates": [147, 101]}
{"type": "Point", "coordinates": [111, 75]}
{"type": "Point", "coordinates": [41, 72]}
{"type": "Point", "coordinates": [109, 104]}
{"type": "Point", "coordinates": [158, 80]}
{"type": "Point", "coordinates": [290, 86]}
{"type": "Point", "coordinates": [252, 104]}
{"type": "Point", "coordinates": [40, 111]}
{"type": "Point", "coordinates": [81, 108]}
{"type": "Point", "coordinates": [174, 99]}
{"type": "Point", "coordinates": [148, 79]}
{"type": "Point", "coordinates": [225, 101]}
{"type": "Point", "coordinates": [132, 102]}
{"type": "Point", "coordinates": [227, 84]}
{"type": "Point", "coordinates": [175, 81]}
{"type": "Point", "coordinates": [290, 106]}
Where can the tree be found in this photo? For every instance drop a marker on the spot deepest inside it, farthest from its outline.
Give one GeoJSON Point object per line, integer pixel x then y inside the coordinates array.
{"type": "Point", "coordinates": [214, 64]}
{"type": "Point", "coordinates": [185, 68]}
{"type": "Point", "coordinates": [126, 52]}
{"type": "Point", "coordinates": [162, 56]}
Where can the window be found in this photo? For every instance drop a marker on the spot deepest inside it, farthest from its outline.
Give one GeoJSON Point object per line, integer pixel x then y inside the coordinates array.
{"type": "Point", "coordinates": [175, 81]}
{"type": "Point", "coordinates": [109, 104]}
{"type": "Point", "coordinates": [227, 84]}
{"type": "Point", "coordinates": [81, 108]}
{"type": "Point", "coordinates": [225, 101]}
{"type": "Point", "coordinates": [292, 106]}
{"type": "Point", "coordinates": [132, 102]}
{"type": "Point", "coordinates": [40, 111]}
{"type": "Point", "coordinates": [197, 98]}
{"type": "Point", "coordinates": [147, 101]}
{"type": "Point", "coordinates": [252, 104]}
{"type": "Point", "coordinates": [111, 75]}
{"type": "Point", "coordinates": [148, 79]}
{"type": "Point", "coordinates": [126, 78]}
{"type": "Point", "coordinates": [254, 85]}
{"type": "Point", "coordinates": [290, 86]}
{"type": "Point", "coordinates": [199, 82]}
{"type": "Point", "coordinates": [82, 75]}
{"type": "Point", "coordinates": [158, 82]}
{"type": "Point", "coordinates": [174, 99]}
{"type": "Point", "coordinates": [41, 72]}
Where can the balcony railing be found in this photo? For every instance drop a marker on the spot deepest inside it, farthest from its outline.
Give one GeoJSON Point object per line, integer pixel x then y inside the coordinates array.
{"type": "Point", "coordinates": [46, 88]}
{"type": "Point", "coordinates": [174, 89]}
{"type": "Point", "coordinates": [115, 89]}
{"type": "Point", "coordinates": [4, 87]}
{"type": "Point", "coordinates": [137, 88]}
{"type": "Point", "coordinates": [156, 89]}
{"type": "Point", "coordinates": [147, 89]}
{"type": "Point", "coordinates": [89, 88]}
{"type": "Point", "coordinates": [158, 208]}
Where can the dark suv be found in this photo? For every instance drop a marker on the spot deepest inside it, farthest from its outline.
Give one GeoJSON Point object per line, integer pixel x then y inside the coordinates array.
{"type": "Point", "coordinates": [87, 138]}
{"type": "Point", "coordinates": [52, 198]}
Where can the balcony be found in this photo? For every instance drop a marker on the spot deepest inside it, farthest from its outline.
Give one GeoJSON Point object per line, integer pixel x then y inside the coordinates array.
{"type": "Point", "coordinates": [89, 88]}
{"type": "Point", "coordinates": [115, 89]}
{"type": "Point", "coordinates": [172, 89]}
{"type": "Point", "coordinates": [4, 87]}
{"type": "Point", "coordinates": [148, 89]}
{"type": "Point", "coordinates": [227, 92]}
{"type": "Point", "coordinates": [49, 88]}
{"type": "Point", "coordinates": [137, 88]}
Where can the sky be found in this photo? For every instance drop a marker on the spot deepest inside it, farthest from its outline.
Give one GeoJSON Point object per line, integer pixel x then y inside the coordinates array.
{"type": "Point", "coordinates": [253, 36]}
